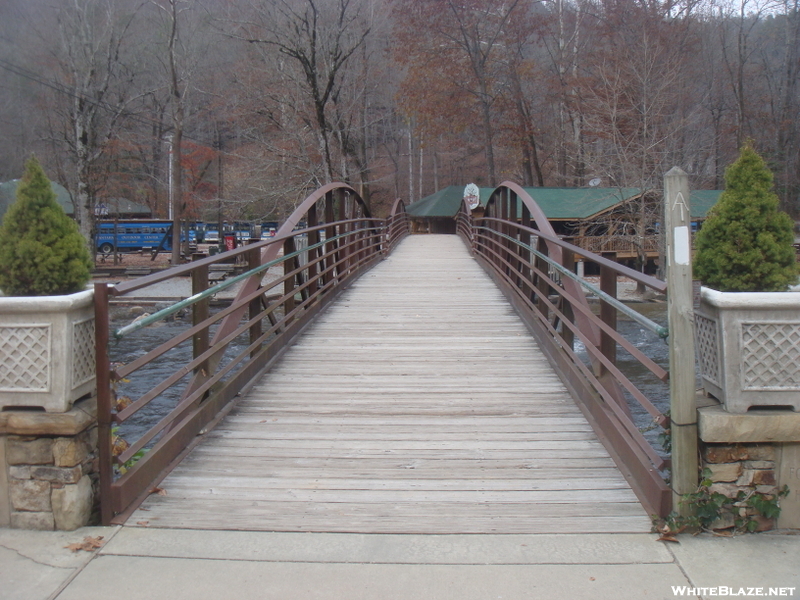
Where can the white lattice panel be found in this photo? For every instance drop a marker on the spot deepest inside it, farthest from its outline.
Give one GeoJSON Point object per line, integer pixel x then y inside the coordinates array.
{"type": "Point", "coordinates": [771, 356]}
{"type": "Point", "coordinates": [707, 342]}
{"type": "Point", "coordinates": [83, 365]}
{"type": "Point", "coordinates": [25, 358]}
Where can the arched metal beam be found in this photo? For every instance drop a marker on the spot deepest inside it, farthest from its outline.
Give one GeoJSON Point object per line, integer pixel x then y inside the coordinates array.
{"type": "Point", "coordinates": [271, 252]}
{"type": "Point", "coordinates": [553, 250]}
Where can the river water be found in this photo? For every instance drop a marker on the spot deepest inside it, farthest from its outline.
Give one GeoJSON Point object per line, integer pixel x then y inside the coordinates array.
{"type": "Point", "coordinates": [140, 382]}
{"type": "Point", "coordinates": [655, 348]}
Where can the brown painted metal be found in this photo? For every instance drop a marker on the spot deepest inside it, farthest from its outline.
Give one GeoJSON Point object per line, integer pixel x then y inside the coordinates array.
{"type": "Point", "coordinates": [608, 314]}
{"type": "Point", "coordinates": [255, 305]}
{"type": "Point", "coordinates": [530, 287]}
{"type": "Point", "coordinates": [200, 311]}
{"type": "Point", "coordinates": [104, 398]}
{"type": "Point", "coordinates": [328, 271]}
{"type": "Point", "coordinates": [634, 464]}
{"type": "Point", "coordinates": [566, 307]}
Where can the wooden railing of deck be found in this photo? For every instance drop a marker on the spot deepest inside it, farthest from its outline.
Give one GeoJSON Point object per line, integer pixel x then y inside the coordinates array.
{"type": "Point", "coordinates": [628, 246]}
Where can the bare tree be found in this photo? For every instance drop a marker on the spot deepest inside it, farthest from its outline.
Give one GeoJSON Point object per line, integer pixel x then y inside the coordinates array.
{"type": "Point", "coordinates": [459, 42]}
{"type": "Point", "coordinates": [321, 40]}
{"type": "Point", "coordinates": [93, 83]}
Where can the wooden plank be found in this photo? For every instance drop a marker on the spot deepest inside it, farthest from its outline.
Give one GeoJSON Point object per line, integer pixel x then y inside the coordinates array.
{"type": "Point", "coordinates": [417, 403]}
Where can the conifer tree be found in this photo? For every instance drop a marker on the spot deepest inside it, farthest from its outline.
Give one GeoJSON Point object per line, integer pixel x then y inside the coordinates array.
{"type": "Point", "coordinates": [42, 253]}
{"type": "Point", "coordinates": [746, 243]}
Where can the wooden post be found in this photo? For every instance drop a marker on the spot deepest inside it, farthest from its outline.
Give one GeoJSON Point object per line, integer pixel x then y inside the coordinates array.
{"type": "Point", "coordinates": [680, 307]}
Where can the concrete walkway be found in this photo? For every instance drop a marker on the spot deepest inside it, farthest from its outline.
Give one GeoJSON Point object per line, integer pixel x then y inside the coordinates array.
{"type": "Point", "coordinates": [148, 564]}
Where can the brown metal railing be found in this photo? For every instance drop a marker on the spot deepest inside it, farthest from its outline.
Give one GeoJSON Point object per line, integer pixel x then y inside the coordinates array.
{"type": "Point", "coordinates": [339, 241]}
{"type": "Point", "coordinates": [535, 269]}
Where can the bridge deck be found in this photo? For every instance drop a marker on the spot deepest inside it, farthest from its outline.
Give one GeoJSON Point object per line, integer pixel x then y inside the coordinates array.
{"type": "Point", "coordinates": [417, 403]}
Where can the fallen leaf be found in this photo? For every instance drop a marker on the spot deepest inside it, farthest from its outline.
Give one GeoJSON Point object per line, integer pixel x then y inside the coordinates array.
{"type": "Point", "coordinates": [591, 579]}
{"type": "Point", "coordinates": [668, 537]}
{"type": "Point", "coordinates": [89, 544]}
{"type": "Point", "coordinates": [143, 523]}
{"type": "Point", "coordinates": [118, 445]}
{"type": "Point", "coordinates": [159, 491]}
{"type": "Point", "coordinates": [122, 403]}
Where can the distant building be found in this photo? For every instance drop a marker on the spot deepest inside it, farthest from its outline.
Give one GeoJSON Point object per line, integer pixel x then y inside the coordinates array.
{"type": "Point", "coordinates": [8, 194]}
{"type": "Point", "coordinates": [594, 218]}
{"type": "Point", "coordinates": [116, 208]}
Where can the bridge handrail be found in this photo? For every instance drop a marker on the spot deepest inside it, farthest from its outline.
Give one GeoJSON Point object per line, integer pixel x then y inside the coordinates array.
{"type": "Point", "coordinates": [343, 241]}
{"type": "Point", "coordinates": [534, 267]}
{"type": "Point", "coordinates": [660, 330]}
{"type": "Point", "coordinates": [215, 289]}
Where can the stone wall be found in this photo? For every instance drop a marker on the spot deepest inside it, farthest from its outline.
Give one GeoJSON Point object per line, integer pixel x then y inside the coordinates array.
{"type": "Point", "coordinates": [757, 451]}
{"type": "Point", "coordinates": [48, 468]}
{"type": "Point", "coordinates": [744, 468]}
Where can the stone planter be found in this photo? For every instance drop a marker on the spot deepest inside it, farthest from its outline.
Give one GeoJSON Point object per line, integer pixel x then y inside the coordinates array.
{"type": "Point", "coordinates": [748, 347]}
{"type": "Point", "coordinates": [46, 351]}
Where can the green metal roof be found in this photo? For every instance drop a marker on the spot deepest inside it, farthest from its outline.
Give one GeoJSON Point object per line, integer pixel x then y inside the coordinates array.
{"type": "Point", "coordinates": [701, 201]}
{"type": "Point", "coordinates": [8, 194]}
{"type": "Point", "coordinates": [444, 203]}
{"type": "Point", "coordinates": [558, 204]}
{"type": "Point", "coordinates": [569, 204]}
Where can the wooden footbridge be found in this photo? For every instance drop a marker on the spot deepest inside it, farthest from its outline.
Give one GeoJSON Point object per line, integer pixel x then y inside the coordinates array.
{"type": "Point", "coordinates": [416, 402]}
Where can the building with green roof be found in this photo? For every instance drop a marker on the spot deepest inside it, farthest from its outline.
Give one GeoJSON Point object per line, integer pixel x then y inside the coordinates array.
{"type": "Point", "coordinates": [558, 204]}
{"type": "Point", "coordinates": [8, 195]}
{"type": "Point", "coordinates": [595, 218]}
{"type": "Point", "coordinates": [118, 207]}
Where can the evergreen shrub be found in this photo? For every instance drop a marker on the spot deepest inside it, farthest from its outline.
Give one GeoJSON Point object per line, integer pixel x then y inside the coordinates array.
{"type": "Point", "coordinates": [42, 252]}
{"type": "Point", "coordinates": [746, 243]}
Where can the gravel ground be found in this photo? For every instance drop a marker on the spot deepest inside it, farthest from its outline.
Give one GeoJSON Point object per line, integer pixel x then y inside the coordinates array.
{"type": "Point", "coordinates": [626, 290]}
{"type": "Point", "coordinates": [172, 289]}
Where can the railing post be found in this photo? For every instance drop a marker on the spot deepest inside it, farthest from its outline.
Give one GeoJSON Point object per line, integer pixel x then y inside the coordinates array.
{"type": "Point", "coordinates": [288, 282]}
{"type": "Point", "coordinates": [253, 262]}
{"type": "Point", "coordinates": [330, 244]}
{"type": "Point", "coordinates": [541, 285]}
{"type": "Point", "coordinates": [680, 310]}
{"type": "Point", "coordinates": [608, 314]}
{"type": "Point", "coordinates": [200, 312]}
{"type": "Point", "coordinates": [505, 229]}
{"type": "Point", "coordinates": [104, 400]}
{"type": "Point", "coordinates": [568, 262]}
{"type": "Point", "coordinates": [313, 238]}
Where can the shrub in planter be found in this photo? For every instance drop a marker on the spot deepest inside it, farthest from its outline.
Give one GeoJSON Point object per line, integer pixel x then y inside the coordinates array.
{"type": "Point", "coordinates": [42, 253]}
{"type": "Point", "coordinates": [748, 335]}
{"type": "Point", "coordinates": [47, 315]}
{"type": "Point", "coordinates": [745, 245]}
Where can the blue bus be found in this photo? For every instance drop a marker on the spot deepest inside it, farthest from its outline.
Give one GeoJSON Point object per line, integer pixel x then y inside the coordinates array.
{"type": "Point", "coordinates": [135, 235]}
